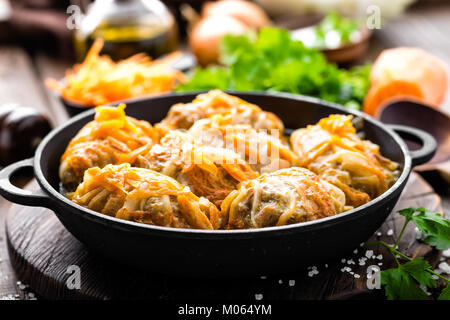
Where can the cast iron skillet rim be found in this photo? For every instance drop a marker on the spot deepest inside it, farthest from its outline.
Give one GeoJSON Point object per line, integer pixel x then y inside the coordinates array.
{"type": "Point", "coordinates": [112, 221]}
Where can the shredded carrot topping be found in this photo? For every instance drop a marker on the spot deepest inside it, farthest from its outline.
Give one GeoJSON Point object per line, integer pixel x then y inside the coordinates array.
{"type": "Point", "coordinates": [99, 80]}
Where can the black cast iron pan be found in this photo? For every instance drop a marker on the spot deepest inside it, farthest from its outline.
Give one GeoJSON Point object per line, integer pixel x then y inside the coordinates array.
{"type": "Point", "coordinates": [225, 252]}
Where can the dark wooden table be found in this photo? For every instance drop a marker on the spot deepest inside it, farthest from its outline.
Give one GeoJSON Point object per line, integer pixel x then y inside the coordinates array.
{"type": "Point", "coordinates": [22, 82]}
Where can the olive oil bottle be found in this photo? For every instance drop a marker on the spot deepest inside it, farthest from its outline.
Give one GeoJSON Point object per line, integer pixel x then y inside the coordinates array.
{"type": "Point", "coordinates": [127, 27]}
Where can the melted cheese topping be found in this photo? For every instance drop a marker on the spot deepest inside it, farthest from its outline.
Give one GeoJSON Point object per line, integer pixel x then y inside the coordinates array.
{"type": "Point", "coordinates": [144, 195]}
{"type": "Point", "coordinates": [282, 197]}
{"type": "Point", "coordinates": [216, 102]}
{"type": "Point", "coordinates": [111, 138]}
{"type": "Point", "coordinates": [218, 161]}
{"type": "Point", "coordinates": [211, 172]}
{"type": "Point", "coordinates": [260, 148]}
{"type": "Point", "coordinates": [332, 149]}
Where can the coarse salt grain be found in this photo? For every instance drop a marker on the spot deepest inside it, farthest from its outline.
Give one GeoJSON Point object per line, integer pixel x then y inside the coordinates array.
{"type": "Point", "coordinates": [369, 253]}
{"type": "Point", "coordinates": [444, 267]}
{"type": "Point", "coordinates": [258, 296]}
{"type": "Point", "coordinates": [379, 234]}
{"type": "Point", "coordinates": [21, 286]}
{"type": "Point", "coordinates": [380, 257]}
{"type": "Point", "coordinates": [446, 253]}
{"type": "Point", "coordinates": [390, 232]}
{"type": "Point", "coordinates": [291, 283]}
{"type": "Point", "coordinates": [357, 276]}
{"type": "Point", "coordinates": [355, 251]}
{"type": "Point", "coordinates": [418, 233]}
{"type": "Point", "coordinates": [424, 289]}
{"type": "Point", "coordinates": [438, 271]}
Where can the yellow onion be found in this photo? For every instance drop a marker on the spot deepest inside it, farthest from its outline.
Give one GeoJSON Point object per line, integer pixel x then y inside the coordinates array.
{"type": "Point", "coordinates": [247, 12]}
{"type": "Point", "coordinates": [205, 36]}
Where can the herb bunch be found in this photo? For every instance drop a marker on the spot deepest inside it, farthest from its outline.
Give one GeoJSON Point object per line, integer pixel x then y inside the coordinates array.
{"type": "Point", "coordinates": [272, 61]}
{"type": "Point", "coordinates": [333, 22]}
{"type": "Point", "coordinates": [403, 282]}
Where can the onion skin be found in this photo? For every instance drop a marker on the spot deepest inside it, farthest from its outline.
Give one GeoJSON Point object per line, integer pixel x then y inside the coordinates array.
{"type": "Point", "coordinates": [413, 65]}
{"type": "Point", "coordinates": [247, 12]}
{"type": "Point", "coordinates": [406, 73]}
{"type": "Point", "coordinates": [205, 36]}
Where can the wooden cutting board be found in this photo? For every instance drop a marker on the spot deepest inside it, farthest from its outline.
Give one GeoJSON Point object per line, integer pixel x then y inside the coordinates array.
{"type": "Point", "coordinates": [42, 251]}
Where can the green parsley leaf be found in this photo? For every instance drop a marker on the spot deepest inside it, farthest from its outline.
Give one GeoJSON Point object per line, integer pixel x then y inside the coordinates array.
{"type": "Point", "coordinates": [431, 224]}
{"type": "Point", "coordinates": [272, 61]}
{"type": "Point", "coordinates": [399, 285]}
{"type": "Point", "coordinates": [408, 213]}
{"type": "Point", "coordinates": [438, 243]}
{"type": "Point", "coordinates": [445, 293]}
{"type": "Point", "coordinates": [417, 269]}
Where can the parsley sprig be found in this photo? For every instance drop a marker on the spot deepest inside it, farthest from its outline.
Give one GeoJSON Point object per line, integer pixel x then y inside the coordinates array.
{"type": "Point", "coordinates": [272, 61]}
{"type": "Point", "coordinates": [337, 24]}
{"type": "Point", "coordinates": [402, 283]}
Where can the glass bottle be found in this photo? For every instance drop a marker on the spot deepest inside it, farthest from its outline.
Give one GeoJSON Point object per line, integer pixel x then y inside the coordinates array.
{"type": "Point", "coordinates": [127, 27]}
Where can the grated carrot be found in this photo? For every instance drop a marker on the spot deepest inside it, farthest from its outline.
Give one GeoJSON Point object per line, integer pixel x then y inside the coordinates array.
{"type": "Point", "coordinates": [99, 80]}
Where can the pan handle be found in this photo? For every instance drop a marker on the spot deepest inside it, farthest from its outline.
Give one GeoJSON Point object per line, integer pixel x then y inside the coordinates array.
{"type": "Point", "coordinates": [35, 198]}
{"type": "Point", "coordinates": [429, 144]}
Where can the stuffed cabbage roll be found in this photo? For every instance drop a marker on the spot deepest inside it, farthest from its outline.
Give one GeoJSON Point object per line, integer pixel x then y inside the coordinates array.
{"type": "Point", "coordinates": [112, 138]}
{"type": "Point", "coordinates": [208, 171]}
{"type": "Point", "coordinates": [216, 102]}
{"type": "Point", "coordinates": [145, 196]}
{"type": "Point", "coordinates": [333, 150]}
{"type": "Point", "coordinates": [282, 197]}
{"type": "Point", "coordinates": [264, 150]}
